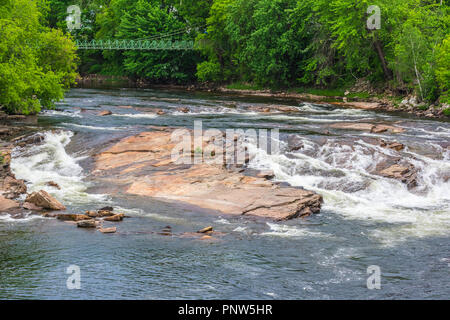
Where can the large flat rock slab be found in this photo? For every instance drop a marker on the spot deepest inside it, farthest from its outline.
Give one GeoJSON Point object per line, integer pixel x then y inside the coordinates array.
{"type": "Point", "coordinates": [143, 165]}
{"type": "Point", "coordinates": [369, 127]}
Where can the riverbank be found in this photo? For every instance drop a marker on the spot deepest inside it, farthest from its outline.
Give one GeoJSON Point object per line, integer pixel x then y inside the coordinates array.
{"type": "Point", "coordinates": [360, 96]}
{"type": "Point", "coordinates": [351, 99]}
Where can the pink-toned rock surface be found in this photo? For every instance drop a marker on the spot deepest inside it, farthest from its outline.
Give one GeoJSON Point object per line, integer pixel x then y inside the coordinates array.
{"type": "Point", "coordinates": [7, 204]}
{"type": "Point", "coordinates": [369, 127]}
{"type": "Point", "coordinates": [143, 165]}
{"type": "Point", "coordinates": [44, 200]}
{"type": "Point", "coordinates": [358, 105]}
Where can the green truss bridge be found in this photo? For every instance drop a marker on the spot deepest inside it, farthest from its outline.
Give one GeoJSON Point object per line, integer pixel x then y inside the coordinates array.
{"type": "Point", "coordinates": [122, 44]}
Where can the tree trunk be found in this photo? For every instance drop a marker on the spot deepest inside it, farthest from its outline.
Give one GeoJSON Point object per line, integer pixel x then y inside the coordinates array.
{"type": "Point", "coordinates": [379, 50]}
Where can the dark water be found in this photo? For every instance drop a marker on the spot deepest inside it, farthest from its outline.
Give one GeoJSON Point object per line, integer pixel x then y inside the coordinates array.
{"type": "Point", "coordinates": [366, 220]}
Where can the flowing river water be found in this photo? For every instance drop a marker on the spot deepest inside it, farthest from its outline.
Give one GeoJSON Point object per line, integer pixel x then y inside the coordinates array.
{"type": "Point", "coordinates": [365, 220]}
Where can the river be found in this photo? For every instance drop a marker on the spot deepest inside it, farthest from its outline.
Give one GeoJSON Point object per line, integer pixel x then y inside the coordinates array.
{"type": "Point", "coordinates": [365, 220]}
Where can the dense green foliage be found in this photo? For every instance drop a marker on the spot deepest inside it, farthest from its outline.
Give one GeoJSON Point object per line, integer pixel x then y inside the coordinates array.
{"type": "Point", "coordinates": [137, 19]}
{"type": "Point", "coordinates": [143, 19]}
{"type": "Point", "coordinates": [326, 43]}
{"type": "Point", "coordinates": [256, 43]}
{"type": "Point", "coordinates": [36, 63]}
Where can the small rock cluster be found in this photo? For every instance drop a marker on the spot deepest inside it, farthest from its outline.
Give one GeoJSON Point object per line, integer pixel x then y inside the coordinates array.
{"type": "Point", "coordinates": [92, 219]}
{"type": "Point", "coordinates": [412, 105]}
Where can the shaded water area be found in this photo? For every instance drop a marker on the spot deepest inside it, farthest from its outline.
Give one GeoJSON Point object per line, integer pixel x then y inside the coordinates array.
{"type": "Point", "coordinates": [366, 219]}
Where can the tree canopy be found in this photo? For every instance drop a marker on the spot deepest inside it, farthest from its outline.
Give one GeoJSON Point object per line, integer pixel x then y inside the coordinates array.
{"type": "Point", "coordinates": [37, 63]}
{"type": "Point", "coordinates": [269, 43]}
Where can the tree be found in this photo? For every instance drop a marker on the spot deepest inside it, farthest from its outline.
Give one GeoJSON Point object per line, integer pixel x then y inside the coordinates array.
{"type": "Point", "coordinates": [37, 64]}
{"type": "Point", "coordinates": [443, 69]}
{"type": "Point", "coordinates": [139, 19]}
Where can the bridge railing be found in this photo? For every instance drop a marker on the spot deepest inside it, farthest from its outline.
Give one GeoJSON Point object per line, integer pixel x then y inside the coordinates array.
{"type": "Point", "coordinates": [124, 44]}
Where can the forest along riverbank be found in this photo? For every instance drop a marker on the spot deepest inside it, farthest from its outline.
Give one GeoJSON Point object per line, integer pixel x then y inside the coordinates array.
{"type": "Point", "coordinates": [383, 178]}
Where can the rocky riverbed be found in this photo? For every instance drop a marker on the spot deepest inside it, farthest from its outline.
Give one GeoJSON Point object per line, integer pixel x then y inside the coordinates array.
{"type": "Point", "coordinates": [348, 188]}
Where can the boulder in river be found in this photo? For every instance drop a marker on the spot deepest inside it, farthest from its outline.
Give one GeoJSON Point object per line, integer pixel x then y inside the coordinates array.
{"type": "Point", "coordinates": [205, 230]}
{"type": "Point", "coordinates": [73, 217]}
{"type": "Point", "coordinates": [87, 224]}
{"type": "Point", "coordinates": [115, 217]}
{"type": "Point", "coordinates": [406, 174]}
{"type": "Point", "coordinates": [53, 184]}
{"type": "Point", "coordinates": [392, 145]}
{"type": "Point", "coordinates": [100, 213]}
{"type": "Point", "coordinates": [108, 230]}
{"type": "Point", "coordinates": [44, 200]}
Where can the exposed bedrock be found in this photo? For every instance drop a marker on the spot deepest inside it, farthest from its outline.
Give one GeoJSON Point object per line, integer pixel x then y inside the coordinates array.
{"type": "Point", "coordinates": [144, 165]}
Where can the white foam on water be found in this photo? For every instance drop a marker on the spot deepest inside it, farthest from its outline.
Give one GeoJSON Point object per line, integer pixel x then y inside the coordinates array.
{"type": "Point", "coordinates": [305, 118]}
{"type": "Point", "coordinates": [271, 294]}
{"type": "Point", "coordinates": [49, 161]}
{"type": "Point", "coordinates": [136, 115]}
{"type": "Point", "coordinates": [74, 114]}
{"type": "Point", "coordinates": [223, 221]}
{"type": "Point", "coordinates": [163, 218]}
{"type": "Point", "coordinates": [308, 107]}
{"type": "Point", "coordinates": [338, 273]}
{"type": "Point", "coordinates": [27, 217]}
{"type": "Point", "coordinates": [282, 230]}
{"type": "Point", "coordinates": [440, 131]}
{"type": "Point", "coordinates": [343, 175]}
{"type": "Point", "coordinates": [94, 128]}
{"type": "Point", "coordinates": [223, 111]}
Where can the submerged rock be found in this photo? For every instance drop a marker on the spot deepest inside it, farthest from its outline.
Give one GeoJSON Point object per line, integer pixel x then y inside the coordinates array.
{"type": "Point", "coordinates": [53, 184]}
{"type": "Point", "coordinates": [25, 140]}
{"type": "Point", "coordinates": [73, 217]}
{"type": "Point", "coordinates": [295, 143]}
{"type": "Point", "coordinates": [43, 199]}
{"type": "Point", "coordinates": [183, 109]}
{"type": "Point", "coordinates": [108, 230]}
{"type": "Point", "coordinates": [167, 231]}
{"type": "Point", "coordinates": [87, 224]}
{"type": "Point", "coordinates": [205, 230]}
{"type": "Point", "coordinates": [105, 113]}
{"type": "Point", "coordinates": [115, 217]}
